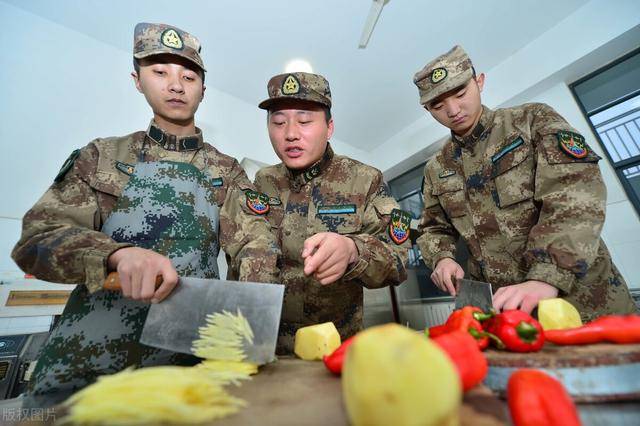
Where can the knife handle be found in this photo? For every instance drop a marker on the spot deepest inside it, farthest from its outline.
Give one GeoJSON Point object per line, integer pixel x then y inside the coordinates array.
{"type": "Point", "coordinates": [112, 282]}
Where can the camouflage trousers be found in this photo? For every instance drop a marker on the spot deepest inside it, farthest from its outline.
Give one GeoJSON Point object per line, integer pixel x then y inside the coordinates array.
{"type": "Point", "coordinates": [168, 208]}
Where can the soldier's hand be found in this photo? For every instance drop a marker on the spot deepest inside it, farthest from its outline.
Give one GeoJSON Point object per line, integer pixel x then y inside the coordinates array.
{"type": "Point", "coordinates": [524, 296]}
{"type": "Point", "coordinates": [138, 268]}
{"type": "Point", "coordinates": [445, 273]}
{"type": "Point", "coordinates": [327, 255]}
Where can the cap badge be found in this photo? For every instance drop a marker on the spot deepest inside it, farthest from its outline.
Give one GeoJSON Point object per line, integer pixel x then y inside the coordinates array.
{"type": "Point", "coordinates": [291, 85]}
{"type": "Point", "coordinates": [171, 38]}
{"type": "Point", "coordinates": [438, 75]}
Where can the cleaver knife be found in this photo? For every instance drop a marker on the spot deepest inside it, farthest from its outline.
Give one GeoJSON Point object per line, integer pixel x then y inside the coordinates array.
{"type": "Point", "coordinates": [474, 293]}
{"type": "Point", "coordinates": [173, 323]}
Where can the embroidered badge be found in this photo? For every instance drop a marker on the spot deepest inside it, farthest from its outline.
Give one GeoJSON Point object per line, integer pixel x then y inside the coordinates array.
{"type": "Point", "coordinates": [290, 85]}
{"type": "Point", "coordinates": [171, 38]}
{"type": "Point", "coordinates": [438, 75]}
{"type": "Point", "coordinates": [572, 144]}
{"type": "Point", "coordinates": [337, 209]}
{"type": "Point", "coordinates": [125, 168]}
{"type": "Point", "coordinates": [312, 172]}
{"type": "Point", "coordinates": [274, 201]}
{"type": "Point", "coordinates": [399, 226]}
{"type": "Point", "coordinates": [257, 202]}
{"type": "Point", "coordinates": [216, 182]}
{"type": "Point", "coordinates": [446, 173]}
{"type": "Point", "coordinates": [507, 149]}
{"type": "Point", "coordinates": [67, 165]}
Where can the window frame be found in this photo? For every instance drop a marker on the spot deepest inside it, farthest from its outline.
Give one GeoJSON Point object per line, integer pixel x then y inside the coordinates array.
{"type": "Point", "coordinates": [620, 166]}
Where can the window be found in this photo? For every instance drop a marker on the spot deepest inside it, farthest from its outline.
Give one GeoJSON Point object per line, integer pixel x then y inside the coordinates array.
{"type": "Point", "coordinates": [610, 99]}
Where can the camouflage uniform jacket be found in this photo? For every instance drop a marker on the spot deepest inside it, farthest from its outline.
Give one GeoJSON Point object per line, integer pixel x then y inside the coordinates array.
{"type": "Point", "coordinates": [61, 239]}
{"type": "Point", "coordinates": [526, 209]}
{"type": "Point", "coordinates": [339, 195]}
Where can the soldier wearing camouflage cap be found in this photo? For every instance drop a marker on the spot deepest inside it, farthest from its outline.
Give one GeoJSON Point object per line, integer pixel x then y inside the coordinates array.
{"type": "Point", "coordinates": [338, 228]}
{"type": "Point", "coordinates": [524, 191]}
{"type": "Point", "coordinates": [155, 202]}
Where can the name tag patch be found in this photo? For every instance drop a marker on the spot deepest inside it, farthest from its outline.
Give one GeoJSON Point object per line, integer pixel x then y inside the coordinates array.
{"type": "Point", "coordinates": [446, 173]}
{"type": "Point", "coordinates": [337, 209]}
{"type": "Point", "coordinates": [274, 201]}
{"type": "Point", "coordinates": [217, 182]}
{"type": "Point", "coordinates": [507, 149]}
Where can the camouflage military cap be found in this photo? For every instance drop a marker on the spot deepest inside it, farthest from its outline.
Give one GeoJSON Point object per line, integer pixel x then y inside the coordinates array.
{"type": "Point", "coordinates": [298, 85]}
{"type": "Point", "coordinates": [155, 39]}
{"type": "Point", "coordinates": [445, 73]}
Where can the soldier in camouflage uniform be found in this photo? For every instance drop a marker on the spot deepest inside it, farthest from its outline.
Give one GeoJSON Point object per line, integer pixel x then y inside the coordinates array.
{"type": "Point", "coordinates": [337, 225]}
{"type": "Point", "coordinates": [524, 191]}
{"type": "Point", "coordinates": [150, 203]}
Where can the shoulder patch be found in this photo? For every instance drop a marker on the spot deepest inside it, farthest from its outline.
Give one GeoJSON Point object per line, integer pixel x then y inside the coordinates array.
{"type": "Point", "coordinates": [572, 144]}
{"type": "Point", "coordinates": [67, 165]}
{"type": "Point", "coordinates": [257, 202]}
{"type": "Point", "coordinates": [125, 168]}
{"type": "Point", "coordinates": [337, 209]}
{"type": "Point", "coordinates": [399, 226]}
{"type": "Point", "coordinates": [217, 182]}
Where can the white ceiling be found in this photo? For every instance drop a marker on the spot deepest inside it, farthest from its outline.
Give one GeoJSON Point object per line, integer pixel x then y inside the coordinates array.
{"type": "Point", "coordinates": [246, 42]}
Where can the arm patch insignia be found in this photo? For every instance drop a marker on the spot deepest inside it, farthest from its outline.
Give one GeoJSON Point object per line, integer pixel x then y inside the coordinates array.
{"type": "Point", "coordinates": [257, 202]}
{"type": "Point", "coordinates": [572, 144]}
{"type": "Point", "coordinates": [399, 226]}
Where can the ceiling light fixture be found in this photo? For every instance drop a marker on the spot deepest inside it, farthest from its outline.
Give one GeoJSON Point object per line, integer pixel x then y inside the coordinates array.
{"type": "Point", "coordinates": [370, 24]}
{"type": "Point", "coordinates": [298, 65]}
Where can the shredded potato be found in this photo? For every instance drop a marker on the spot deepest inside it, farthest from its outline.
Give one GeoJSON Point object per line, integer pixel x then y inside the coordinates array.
{"type": "Point", "coordinates": [171, 394]}
{"type": "Point", "coordinates": [150, 396]}
{"type": "Point", "coordinates": [226, 372]}
{"type": "Point", "coordinates": [222, 338]}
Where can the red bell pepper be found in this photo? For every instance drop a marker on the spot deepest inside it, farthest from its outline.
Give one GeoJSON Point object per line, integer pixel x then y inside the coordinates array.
{"type": "Point", "coordinates": [535, 399]}
{"type": "Point", "coordinates": [517, 330]}
{"type": "Point", "coordinates": [467, 319]}
{"type": "Point", "coordinates": [608, 328]}
{"type": "Point", "coordinates": [438, 330]}
{"type": "Point", "coordinates": [334, 361]}
{"type": "Point", "coordinates": [468, 358]}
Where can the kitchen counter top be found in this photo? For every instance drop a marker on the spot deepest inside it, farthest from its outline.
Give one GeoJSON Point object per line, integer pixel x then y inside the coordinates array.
{"type": "Point", "coordinates": [296, 392]}
{"type": "Point", "coordinates": [301, 393]}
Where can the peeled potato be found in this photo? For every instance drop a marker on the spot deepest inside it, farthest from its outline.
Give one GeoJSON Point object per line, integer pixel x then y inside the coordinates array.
{"type": "Point", "coordinates": [315, 341]}
{"type": "Point", "coordinates": [395, 376]}
{"type": "Point", "coordinates": [558, 314]}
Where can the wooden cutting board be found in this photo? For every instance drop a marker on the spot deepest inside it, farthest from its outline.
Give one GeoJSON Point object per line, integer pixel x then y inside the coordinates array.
{"type": "Point", "coordinates": [590, 373]}
{"type": "Point", "coordinates": [292, 392]}
{"type": "Point", "coordinates": [296, 392]}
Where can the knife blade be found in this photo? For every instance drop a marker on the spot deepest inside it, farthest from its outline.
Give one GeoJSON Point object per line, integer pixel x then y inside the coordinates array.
{"type": "Point", "coordinates": [173, 323]}
{"type": "Point", "coordinates": [474, 293]}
